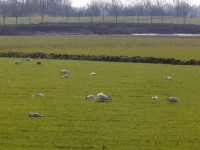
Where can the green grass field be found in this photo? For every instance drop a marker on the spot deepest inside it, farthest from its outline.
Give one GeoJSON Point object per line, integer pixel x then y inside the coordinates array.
{"type": "Point", "coordinates": [132, 120]}
{"type": "Point", "coordinates": [183, 48]}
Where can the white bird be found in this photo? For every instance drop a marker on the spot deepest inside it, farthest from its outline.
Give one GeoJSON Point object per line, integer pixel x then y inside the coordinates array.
{"type": "Point", "coordinates": [64, 71]}
{"type": "Point", "coordinates": [155, 97]}
{"type": "Point", "coordinates": [27, 59]}
{"type": "Point", "coordinates": [17, 62]}
{"type": "Point", "coordinates": [89, 96]}
{"type": "Point", "coordinates": [38, 95]}
{"type": "Point", "coordinates": [93, 73]}
{"type": "Point", "coordinates": [172, 99]}
{"type": "Point", "coordinates": [168, 78]}
{"type": "Point", "coordinates": [103, 97]}
{"type": "Point", "coordinates": [35, 115]}
{"type": "Point", "coordinates": [65, 76]}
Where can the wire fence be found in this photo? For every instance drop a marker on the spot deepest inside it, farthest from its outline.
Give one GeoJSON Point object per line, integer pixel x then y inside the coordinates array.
{"type": "Point", "coordinates": [101, 19]}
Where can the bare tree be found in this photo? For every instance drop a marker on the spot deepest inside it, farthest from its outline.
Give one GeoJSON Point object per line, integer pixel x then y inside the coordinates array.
{"type": "Point", "coordinates": [185, 8]}
{"type": "Point", "coordinates": [79, 12]}
{"type": "Point", "coordinates": [56, 9]}
{"type": "Point", "coordinates": [93, 8]}
{"type": "Point", "coordinates": [96, 10]}
{"type": "Point", "coordinates": [16, 6]}
{"type": "Point", "coordinates": [147, 6]}
{"type": "Point", "coordinates": [103, 6]}
{"type": "Point", "coordinates": [4, 10]}
{"type": "Point", "coordinates": [177, 7]}
{"type": "Point", "coordinates": [150, 8]}
{"type": "Point", "coordinates": [182, 8]}
{"type": "Point", "coordinates": [60, 8]}
{"type": "Point", "coordinates": [114, 8]}
{"type": "Point", "coordinates": [45, 6]}
{"type": "Point", "coordinates": [139, 4]}
{"type": "Point", "coordinates": [129, 11]}
{"type": "Point", "coordinates": [170, 9]}
{"type": "Point", "coordinates": [194, 11]}
{"type": "Point", "coordinates": [89, 10]}
{"type": "Point", "coordinates": [161, 8]}
{"type": "Point", "coordinates": [29, 8]}
{"type": "Point", "coordinates": [117, 7]}
{"type": "Point", "coordinates": [66, 8]}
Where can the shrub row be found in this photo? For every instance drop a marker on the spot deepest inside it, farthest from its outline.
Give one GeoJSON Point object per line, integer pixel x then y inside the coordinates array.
{"type": "Point", "coordinates": [134, 59]}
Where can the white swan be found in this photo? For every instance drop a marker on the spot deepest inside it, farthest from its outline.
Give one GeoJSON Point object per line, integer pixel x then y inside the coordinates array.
{"type": "Point", "coordinates": [17, 62]}
{"type": "Point", "coordinates": [168, 78]}
{"type": "Point", "coordinates": [38, 95]}
{"type": "Point", "coordinates": [155, 97]}
{"type": "Point", "coordinates": [64, 71]}
{"type": "Point", "coordinates": [35, 115]}
{"type": "Point", "coordinates": [93, 73]}
{"type": "Point", "coordinates": [65, 76]}
{"type": "Point", "coordinates": [103, 97]}
{"type": "Point", "coordinates": [89, 96]}
{"type": "Point", "coordinates": [172, 99]}
{"type": "Point", "coordinates": [27, 59]}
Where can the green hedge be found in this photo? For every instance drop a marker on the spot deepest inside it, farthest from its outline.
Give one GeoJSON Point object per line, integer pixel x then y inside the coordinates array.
{"type": "Point", "coordinates": [134, 59]}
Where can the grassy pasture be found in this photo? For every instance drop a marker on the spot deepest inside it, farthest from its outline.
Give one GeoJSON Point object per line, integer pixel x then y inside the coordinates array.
{"type": "Point", "coordinates": [132, 120]}
{"type": "Point", "coordinates": [99, 19]}
{"type": "Point", "coordinates": [183, 48]}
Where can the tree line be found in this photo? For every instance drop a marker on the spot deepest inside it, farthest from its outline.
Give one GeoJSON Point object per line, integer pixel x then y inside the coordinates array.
{"type": "Point", "coordinates": [103, 8]}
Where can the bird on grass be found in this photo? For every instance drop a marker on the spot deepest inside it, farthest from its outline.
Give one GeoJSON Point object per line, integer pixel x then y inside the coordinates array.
{"type": "Point", "coordinates": [93, 74]}
{"type": "Point", "coordinates": [168, 78]}
{"type": "Point", "coordinates": [155, 97]}
{"type": "Point", "coordinates": [171, 99]}
{"type": "Point", "coordinates": [65, 76]}
{"type": "Point", "coordinates": [35, 115]}
{"type": "Point", "coordinates": [39, 62]}
{"type": "Point", "coordinates": [27, 59]}
{"type": "Point", "coordinates": [17, 62]}
{"type": "Point", "coordinates": [103, 97]}
{"type": "Point", "coordinates": [38, 95]}
{"type": "Point", "coordinates": [89, 96]}
{"type": "Point", "coordinates": [64, 71]}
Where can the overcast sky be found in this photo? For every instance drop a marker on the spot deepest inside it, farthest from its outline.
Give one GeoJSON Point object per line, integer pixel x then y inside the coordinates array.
{"type": "Point", "coordinates": [79, 3]}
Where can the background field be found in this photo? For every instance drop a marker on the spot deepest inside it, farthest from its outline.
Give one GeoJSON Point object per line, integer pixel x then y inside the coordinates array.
{"type": "Point", "coordinates": [183, 48]}
{"type": "Point", "coordinates": [132, 120]}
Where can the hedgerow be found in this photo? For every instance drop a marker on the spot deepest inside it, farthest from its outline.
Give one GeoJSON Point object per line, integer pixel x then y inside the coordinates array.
{"type": "Point", "coordinates": [134, 59]}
